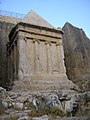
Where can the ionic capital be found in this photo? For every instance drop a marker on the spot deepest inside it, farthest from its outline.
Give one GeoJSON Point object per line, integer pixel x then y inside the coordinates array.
{"type": "Point", "coordinates": [36, 40]}
{"type": "Point", "coordinates": [20, 37]}
{"type": "Point", "coordinates": [25, 39]}
{"type": "Point", "coordinates": [58, 43]}
{"type": "Point", "coordinates": [47, 42]}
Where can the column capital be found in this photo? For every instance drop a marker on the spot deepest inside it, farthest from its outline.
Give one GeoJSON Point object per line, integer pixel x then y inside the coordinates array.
{"type": "Point", "coordinates": [14, 44]}
{"type": "Point", "coordinates": [21, 37]}
{"type": "Point", "coordinates": [58, 43]}
{"type": "Point", "coordinates": [36, 40]}
{"type": "Point", "coordinates": [47, 42]}
{"type": "Point", "coordinates": [25, 39]}
{"type": "Point", "coordinates": [8, 53]}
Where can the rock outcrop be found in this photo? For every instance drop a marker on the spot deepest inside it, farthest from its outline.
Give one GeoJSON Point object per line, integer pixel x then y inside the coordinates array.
{"type": "Point", "coordinates": [5, 28]}
{"type": "Point", "coordinates": [6, 24]}
{"type": "Point", "coordinates": [77, 55]}
{"type": "Point", "coordinates": [42, 105]}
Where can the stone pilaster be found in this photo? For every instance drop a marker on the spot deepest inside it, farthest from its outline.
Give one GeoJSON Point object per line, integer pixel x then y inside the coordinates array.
{"type": "Point", "coordinates": [15, 63]}
{"type": "Point", "coordinates": [9, 68]}
{"type": "Point", "coordinates": [49, 69]}
{"type": "Point", "coordinates": [58, 56]}
{"type": "Point", "coordinates": [22, 58]}
{"type": "Point", "coordinates": [13, 69]}
{"type": "Point", "coordinates": [61, 53]}
{"type": "Point", "coordinates": [17, 60]}
{"type": "Point", "coordinates": [36, 55]}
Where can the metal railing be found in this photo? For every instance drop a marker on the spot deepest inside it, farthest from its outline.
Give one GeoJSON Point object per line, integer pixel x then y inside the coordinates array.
{"type": "Point", "coordinates": [11, 14]}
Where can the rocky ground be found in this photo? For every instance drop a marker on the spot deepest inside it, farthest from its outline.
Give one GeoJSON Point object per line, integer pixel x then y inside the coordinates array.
{"type": "Point", "coordinates": [51, 105]}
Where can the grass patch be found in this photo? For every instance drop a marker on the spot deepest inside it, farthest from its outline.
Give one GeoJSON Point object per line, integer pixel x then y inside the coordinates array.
{"type": "Point", "coordinates": [53, 111]}
{"type": "Point", "coordinates": [2, 110]}
{"type": "Point", "coordinates": [12, 118]}
{"type": "Point", "coordinates": [36, 113]}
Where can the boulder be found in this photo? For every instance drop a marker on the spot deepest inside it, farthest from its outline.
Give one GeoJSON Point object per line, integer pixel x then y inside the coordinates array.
{"type": "Point", "coordinates": [24, 118]}
{"type": "Point", "coordinates": [18, 105]}
{"type": "Point", "coordinates": [45, 117]}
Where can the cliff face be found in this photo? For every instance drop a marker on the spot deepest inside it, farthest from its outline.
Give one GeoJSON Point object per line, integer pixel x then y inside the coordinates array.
{"type": "Point", "coordinates": [6, 24]}
{"type": "Point", "coordinates": [5, 29]}
{"type": "Point", "coordinates": [77, 55]}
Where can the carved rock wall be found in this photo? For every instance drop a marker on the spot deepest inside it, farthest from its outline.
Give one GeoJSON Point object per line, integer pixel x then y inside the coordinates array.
{"type": "Point", "coordinates": [5, 29]}
{"type": "Point", "coordinates": [77, 55]}
{"type": "Point", "coordinates": [6, 24]}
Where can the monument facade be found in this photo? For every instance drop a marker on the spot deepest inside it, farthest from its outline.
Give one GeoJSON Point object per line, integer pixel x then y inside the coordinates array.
{"type": "Point", "coordinates": [35, 55]}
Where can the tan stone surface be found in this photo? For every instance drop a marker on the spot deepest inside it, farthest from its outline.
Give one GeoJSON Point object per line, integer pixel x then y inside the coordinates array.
{"type": "Point", "coordinates": [9, 19]}
{"type": "Point", "coordinates": [33, 18]}
{"type": "Point", "coordinates": [41, 61]}
{"type": "Point", "coordinates": [77, 55]}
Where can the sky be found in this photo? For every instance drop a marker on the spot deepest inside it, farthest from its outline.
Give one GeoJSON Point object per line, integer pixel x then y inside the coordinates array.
{"type": "Point", "coordinates": [56, 12]}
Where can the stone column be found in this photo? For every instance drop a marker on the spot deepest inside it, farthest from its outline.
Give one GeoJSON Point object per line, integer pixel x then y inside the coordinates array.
{"type": "Point", "coordinates": [62, 68]}
{"type": "Point", "coordinates": [11, 68]}
{"type": "Point", "coordinates": [36, 55]}
{"type": "Point", "coordinates": [15, 61]}
{"type": "Point", "coordinates": [49, 69]}
{"type": "Point", "coordinates": [22, 58]}
{"type": "Point", "coordinates": [58, 57]}
{"type": "Point", "coordinates": [8, 60]}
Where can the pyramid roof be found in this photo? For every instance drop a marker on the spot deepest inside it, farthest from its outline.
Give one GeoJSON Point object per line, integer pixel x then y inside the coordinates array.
{"type": "Point", "coordinates": [35, 19]}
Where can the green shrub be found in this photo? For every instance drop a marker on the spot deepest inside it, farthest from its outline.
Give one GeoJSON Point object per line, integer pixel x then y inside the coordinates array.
{"type": "Point", "coordinates": [55, 111]}
{"type": "Point", "coordinates": [37, 113]}
{"type": "Point", "coordinates": [2, 110]}
{"type": "Point", "coordinates": [12, 118]}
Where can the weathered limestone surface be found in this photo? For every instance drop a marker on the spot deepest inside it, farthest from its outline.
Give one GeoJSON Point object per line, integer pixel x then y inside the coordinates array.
{"type": "Point", "coordinates": [5, 29]}
{"type": "Point", "coordinates": [77, 55]}
{"type": "Point", "coordinates": [35, 66]}
{"type": "Point", "coordinates": [35, 19]}
{"type": "Point", "coordinates": [40, 58]}
{"type": "Point", "coordinates": [6, 24]}
{"type": "Point", "coordinates": [8, 19]}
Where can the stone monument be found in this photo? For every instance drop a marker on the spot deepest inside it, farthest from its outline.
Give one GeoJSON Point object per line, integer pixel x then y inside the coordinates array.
{"type": "Point", "coordinates": [35, 56]}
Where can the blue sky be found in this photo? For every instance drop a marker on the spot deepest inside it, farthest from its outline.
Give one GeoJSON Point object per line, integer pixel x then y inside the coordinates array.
{"type": "Point", "coordinates": [56, 12]}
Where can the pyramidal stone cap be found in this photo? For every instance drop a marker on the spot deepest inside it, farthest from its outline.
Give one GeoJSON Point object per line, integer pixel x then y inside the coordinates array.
{"type": "Point", "coordinates": [35, 19]}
